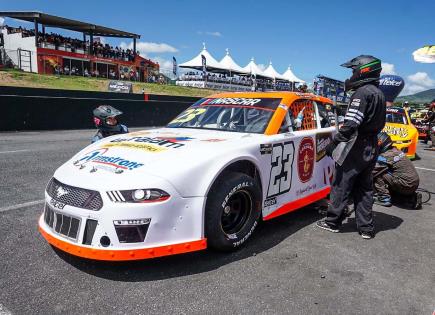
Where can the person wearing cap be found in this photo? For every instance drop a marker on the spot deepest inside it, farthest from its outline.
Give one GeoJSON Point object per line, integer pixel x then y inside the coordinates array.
{"type": "Point", "coordinates": [107, 123]}
{"type": "Point", "coordinates": [406, 106]}
{"type": "Point", "coordinates": [395, 177]}
{"type": "Point", "coordinates": [354, 148]}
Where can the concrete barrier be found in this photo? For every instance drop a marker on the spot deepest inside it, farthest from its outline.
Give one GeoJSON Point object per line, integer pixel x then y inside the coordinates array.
{"type": "Point", "coordinates": [49, 109]}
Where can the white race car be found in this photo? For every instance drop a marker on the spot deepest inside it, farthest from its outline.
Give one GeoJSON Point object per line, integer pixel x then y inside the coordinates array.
{"type": "Point", "coordinates": [206, 179]}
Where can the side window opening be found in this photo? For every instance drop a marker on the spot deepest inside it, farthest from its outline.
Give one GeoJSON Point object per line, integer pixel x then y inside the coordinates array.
{"type": "Point", "coordinates": [306, 107]}
{"type": "Point", "coordinates": [326, 115]}
{"type": "Point", "coordinates": [287, 124]}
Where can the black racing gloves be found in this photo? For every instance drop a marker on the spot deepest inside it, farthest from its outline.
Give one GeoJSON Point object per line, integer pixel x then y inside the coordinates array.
{"type": "Point", "coordinates": [330, 148]}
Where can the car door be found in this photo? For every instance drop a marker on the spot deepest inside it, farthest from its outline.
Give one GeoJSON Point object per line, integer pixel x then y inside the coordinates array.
{"type": "Point", "coordinates": [294, 177]}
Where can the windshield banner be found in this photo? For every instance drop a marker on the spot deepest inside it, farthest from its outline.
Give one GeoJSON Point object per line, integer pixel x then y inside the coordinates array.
{"type": "Point", "coordinates": [266, 103]}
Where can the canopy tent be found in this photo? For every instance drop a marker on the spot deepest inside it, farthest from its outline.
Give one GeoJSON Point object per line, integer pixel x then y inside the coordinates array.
{"type": "Point", "coordinates": [253, 69]}
{"type": "Point", "coordinates": [196, 63]}
{"type": "Point", "coordinates": [272, 73]}
{"type": "Point", "coordinates": [288, 75]}
{"type": "Point", "coordinates": [227, 63]}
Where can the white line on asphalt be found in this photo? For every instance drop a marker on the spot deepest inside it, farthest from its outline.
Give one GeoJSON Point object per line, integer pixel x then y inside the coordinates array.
{"type": "Point", "coordinates": [22, 205]}
{"type": "Point", "coordinates": [426, 169]}
{"type": "Point", "coordinates": [13, 151]}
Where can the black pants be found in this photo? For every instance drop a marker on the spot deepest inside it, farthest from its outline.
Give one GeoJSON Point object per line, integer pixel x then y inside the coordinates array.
{"type": "Point", "coordinates": [354, 179]}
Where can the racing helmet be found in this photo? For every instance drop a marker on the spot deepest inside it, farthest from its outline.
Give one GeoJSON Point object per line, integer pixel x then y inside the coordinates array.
{"type": "Point", "coordinates": [366, 69]}
{"type": "Point", "coordinates": [384, 141]}
{"type": "Point", "coordinates": [105, 118]}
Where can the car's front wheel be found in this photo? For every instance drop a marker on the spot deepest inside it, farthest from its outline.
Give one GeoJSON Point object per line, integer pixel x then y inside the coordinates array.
{"type": "Point", "coordinates": [232, 211]}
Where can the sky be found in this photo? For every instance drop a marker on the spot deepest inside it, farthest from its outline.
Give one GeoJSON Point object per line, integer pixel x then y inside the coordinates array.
{"type": "Point", "coordinates": [314, 37]}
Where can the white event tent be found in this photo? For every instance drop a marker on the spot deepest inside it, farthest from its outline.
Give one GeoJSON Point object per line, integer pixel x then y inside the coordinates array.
{"type": "Point", "coordinates": [196, 63]}
{"type": "Point", "coordinates": [270, 72]}
{"type": "Point", "coordinates": [252, 69]}
{"type": "Point", "coordinates": [288, 75]}
{"type": "Point", "coordinates": [228, 63]}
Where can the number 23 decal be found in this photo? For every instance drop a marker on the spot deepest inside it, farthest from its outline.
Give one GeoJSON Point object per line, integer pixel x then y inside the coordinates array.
{"type": "Point", "coordinates": [282, 168]}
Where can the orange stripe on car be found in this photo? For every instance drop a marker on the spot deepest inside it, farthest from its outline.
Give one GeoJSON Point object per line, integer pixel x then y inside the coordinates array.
{"type": "Point", "coordinates": [124, 254]}
{"type": "Point", "coordinates": [296, 204]}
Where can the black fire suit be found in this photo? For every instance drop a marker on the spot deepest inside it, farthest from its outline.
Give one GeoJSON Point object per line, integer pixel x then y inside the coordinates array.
{"type": "Point", "coordinates": [365, 118]}
{"type": "Point", "coordinates": [395, 173]}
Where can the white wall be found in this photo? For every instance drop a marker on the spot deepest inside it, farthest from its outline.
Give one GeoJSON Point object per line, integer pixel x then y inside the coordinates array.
{"type": "Point", "coordinates": [13, 42]}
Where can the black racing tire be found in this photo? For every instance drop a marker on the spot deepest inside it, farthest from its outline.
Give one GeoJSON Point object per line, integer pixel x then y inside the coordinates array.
{"type": "Point", "coordinates": [232, 211]}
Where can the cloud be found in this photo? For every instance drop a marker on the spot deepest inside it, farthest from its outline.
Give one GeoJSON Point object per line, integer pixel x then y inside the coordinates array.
{"type": "Point", "coordinates": [388, 68]}
{"type": "Point", "coordinates": [216, 34]}
{"type": "Point", "coordinates": [164, 63]}
{"type": "Point", "coordinates": [146, 48]}
{"type": "Point", "coordinates": [417, 82]}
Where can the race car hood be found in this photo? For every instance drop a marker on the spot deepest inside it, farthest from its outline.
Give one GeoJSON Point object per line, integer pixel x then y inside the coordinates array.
{"type": "Point", "coordinates": [148, 157]}
{"type": "Point", "coordinates": [400, 132]}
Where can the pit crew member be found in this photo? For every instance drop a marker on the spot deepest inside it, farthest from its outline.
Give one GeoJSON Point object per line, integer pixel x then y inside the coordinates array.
{"type": "Point", "coordinates": [394, 174]}
{"type": "Point", "coordinates": [354, 147]}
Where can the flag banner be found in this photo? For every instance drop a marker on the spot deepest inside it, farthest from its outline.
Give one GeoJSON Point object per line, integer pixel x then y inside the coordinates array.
{"type": "Point", "coordinates": [174, 66]}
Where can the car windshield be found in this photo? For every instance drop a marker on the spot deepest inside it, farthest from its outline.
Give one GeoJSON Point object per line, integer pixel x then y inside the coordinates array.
{"type": "Point", "coordinates": [397, 118]}
{"type": "Point", "coordinates": [248, 115]}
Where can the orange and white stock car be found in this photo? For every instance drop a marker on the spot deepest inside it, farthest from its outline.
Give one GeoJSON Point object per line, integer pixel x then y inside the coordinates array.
{"type": "Point", "coordinates": [204, 180]}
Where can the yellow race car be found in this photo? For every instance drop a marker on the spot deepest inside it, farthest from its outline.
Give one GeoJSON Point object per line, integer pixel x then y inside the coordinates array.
{"type": "Point", "coordinates": [402, 132]}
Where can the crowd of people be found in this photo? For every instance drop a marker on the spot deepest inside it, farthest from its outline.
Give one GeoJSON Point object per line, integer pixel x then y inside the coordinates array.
{"type": "Point", "coordinates": [217, 78]}
{"type": "Point", "coordinates": [57, 41]}
{"type": "Point", "coordinates": [257, 84]}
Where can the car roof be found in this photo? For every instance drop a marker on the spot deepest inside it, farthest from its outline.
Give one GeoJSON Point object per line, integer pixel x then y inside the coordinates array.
{"type": "Point", "coordinates": [287, 97]}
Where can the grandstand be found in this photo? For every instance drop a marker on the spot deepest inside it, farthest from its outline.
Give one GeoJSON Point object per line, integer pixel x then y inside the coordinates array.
{"type": "Point", "coordinates": [38, 51]}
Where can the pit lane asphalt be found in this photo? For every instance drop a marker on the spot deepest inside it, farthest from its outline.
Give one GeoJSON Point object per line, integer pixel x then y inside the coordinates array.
{"type": "Point", "coordinates": [288, 266]}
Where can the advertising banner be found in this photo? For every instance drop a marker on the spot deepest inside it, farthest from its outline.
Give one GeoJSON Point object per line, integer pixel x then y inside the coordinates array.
{"type": "Point", "coordinates": [391, 86]}
{"type": "Point", "coordinates": [120, 87]}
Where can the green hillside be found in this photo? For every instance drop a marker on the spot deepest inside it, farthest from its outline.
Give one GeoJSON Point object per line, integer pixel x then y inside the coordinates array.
{"type": "Point", "coordinates": [418, 98]}
{"type": "Point", "coordinates": [25, 79]}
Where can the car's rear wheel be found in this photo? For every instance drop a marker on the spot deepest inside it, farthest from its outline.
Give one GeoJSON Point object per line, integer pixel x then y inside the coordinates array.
{"type": "Point", "coordinates": [232, 211]}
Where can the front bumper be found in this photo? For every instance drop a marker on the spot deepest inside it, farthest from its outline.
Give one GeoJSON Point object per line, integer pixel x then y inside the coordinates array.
{"type": "Point", "coordinates": [409, 148]}
{"type": "Point", "coordinates": [174, 226]}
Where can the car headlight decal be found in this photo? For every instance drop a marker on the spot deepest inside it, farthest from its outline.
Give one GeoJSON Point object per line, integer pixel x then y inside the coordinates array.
{"type": "Point", "coordinates": [138, 195]}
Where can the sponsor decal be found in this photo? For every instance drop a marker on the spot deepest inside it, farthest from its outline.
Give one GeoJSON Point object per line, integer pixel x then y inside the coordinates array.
{"type": "Point", "coordinates": [163, 142]}
{"type": "Point", "coordinates": [390, 81]}
{"type": "Point", "coordinates": [306, 159]}
{"type": "Point", "coordinates": [267, 103]}
{"type": "Point", "coordinates": [305, 190]}
{"type": "Point", "coordinates": [270, 202]}
{"type": "Point", "coordinates": [396, 131]}
{"type": "Point", "coordinates": [266, 148]}
{"type": "Point", "coordinates": [394, 110]}
{"type": "Point", "coordinates": [56, 204]}
{"type": "Point", "coordinates": [137, 146]}
{"type": "Point", "coordinates": [322, 141]}
{"type": "Point", "coordinates": [305, 95]}
{"type": "Point", "coordinates": [232, 101]}
{"type": "Point", "coordinates": [100, 156]}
